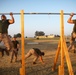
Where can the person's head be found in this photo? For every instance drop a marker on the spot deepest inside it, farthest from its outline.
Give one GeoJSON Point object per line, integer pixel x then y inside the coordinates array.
{"type": "Point", "coordinates": [14, 38]}
{"type": "Point", "coordinates": [42, 53]}
{"type": "Point", "coordinates": [3, 17]}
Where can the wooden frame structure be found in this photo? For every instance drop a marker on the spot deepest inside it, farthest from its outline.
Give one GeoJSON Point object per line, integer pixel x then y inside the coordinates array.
{"type": "Point", "coordinates": [64, 51]}
{"type": "Point", "coordinates": [61, 46]}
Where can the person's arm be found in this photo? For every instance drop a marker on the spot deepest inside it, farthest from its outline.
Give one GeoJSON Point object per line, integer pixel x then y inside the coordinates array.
{"type": "Point", "coordinates": [70, 18]}
{"type": "Point", "coordinates": [41, 59]}
{"type": "Point", "coordinates": [11, 21]}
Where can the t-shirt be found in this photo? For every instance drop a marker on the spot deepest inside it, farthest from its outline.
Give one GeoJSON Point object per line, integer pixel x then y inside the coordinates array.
{"type": "Point", "coordinates": [4, 24]}
{"type": "Point", "coordinates": [74, 28]}
{"type": "Point", "coordinates": [38, 51]}
{"type": "Point", "coordinates": [15, 43]}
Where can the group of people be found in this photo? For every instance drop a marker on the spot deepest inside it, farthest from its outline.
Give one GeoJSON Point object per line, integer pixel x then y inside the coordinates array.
{"type": "Point", "coordinates": [13, 53]}
{"type": "Point", "coordinates": [13, 46]}
{"type": "Point", "coordinates": [6, 44]}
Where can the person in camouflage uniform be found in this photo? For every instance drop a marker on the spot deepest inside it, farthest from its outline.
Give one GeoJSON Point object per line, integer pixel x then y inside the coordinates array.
{"type": "Point", "coordinates": [4, 25]}
{"type": "Point", "coordinates": [73, 34]}
{"type": "Point", "coordinates": [37, 53]}
{"type": "Point", "coordinates": [14, 52]}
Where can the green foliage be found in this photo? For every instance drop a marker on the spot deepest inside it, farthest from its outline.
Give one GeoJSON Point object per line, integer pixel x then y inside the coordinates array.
{"type": "Point", "coordinates": [39, 33]}
{"type": "Point", "coordinates": [17, 35]}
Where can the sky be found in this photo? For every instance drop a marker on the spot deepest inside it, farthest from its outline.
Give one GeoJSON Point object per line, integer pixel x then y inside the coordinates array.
{"type": "Point", "coordinates": [49, 24]}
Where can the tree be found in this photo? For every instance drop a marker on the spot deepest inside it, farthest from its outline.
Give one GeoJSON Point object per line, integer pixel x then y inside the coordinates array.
{"type": "Point", "coordinates": [39, 33]}
{"type": "Point", "coordinates": [10, 36]}
{"type": "Point", "coordinates": [26, 36]}
{"type": "Point", "coordinates": [17, 35]}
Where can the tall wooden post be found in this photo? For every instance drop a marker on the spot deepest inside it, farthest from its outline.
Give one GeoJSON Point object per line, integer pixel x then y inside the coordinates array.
{"type": "Point", "coordinates": [61, 38]}
{"type": "Point", "coordinates": [22, 70]}
{"type": "Point", "coordinates": [56, 56]}
{"type": "Point", "coordinates": [64, 50]}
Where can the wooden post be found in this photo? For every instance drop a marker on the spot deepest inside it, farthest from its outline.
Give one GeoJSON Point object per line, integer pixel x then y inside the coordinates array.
{"type": "Point", "coordinates": [61, 38]}
{"type": "Point", "coordinates": [63, 49]}
{"type": "Point", "coordinates": [21, 73]}
{"type": "Point", "coordinates": [70, 69]}
{"type": "Point", "coordinates": [22, 70]}
{"type": "Point", "coordinates": [56, 56]}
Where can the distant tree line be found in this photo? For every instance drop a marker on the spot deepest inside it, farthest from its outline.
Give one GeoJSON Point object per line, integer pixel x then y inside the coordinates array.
{"type": "Point", "coordinates": [18, 35]}
{"type": "Point", "coordinates": [39, 33]}
{"type": "Point", "coordinates": [57, 35]}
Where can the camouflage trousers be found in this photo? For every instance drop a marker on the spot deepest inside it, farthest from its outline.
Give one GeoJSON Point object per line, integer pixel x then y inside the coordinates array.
{"type": "Point", "coordinates": [14, 53]}
{"type": "Point", "coordinates": [32, 52]}
{"type": "Point", "coordinates": [72, 41]}
{"type": "Point", "coordinates": [7, 41]}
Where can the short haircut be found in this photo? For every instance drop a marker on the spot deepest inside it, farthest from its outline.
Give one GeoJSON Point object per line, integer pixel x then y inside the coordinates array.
{"type": "Point", "coordinates": [3, 16]}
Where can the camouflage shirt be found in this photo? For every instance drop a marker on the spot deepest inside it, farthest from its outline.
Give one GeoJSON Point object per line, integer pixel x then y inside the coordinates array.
{"type": "Point", "coordinates": [74, 28]}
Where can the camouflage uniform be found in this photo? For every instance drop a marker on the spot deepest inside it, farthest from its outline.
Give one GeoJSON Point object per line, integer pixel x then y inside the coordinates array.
{"type": "Point", "coordinates": [73, 37]}
{"type": "Point", "coordinates": [4, 34]}
{"type": "Point", "coordinates": [14, 52]}
{"type": "Point", "coordinates": [36, 52]}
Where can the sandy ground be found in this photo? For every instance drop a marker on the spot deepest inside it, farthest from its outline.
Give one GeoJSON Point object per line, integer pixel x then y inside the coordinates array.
{"type": "Point", "coordinates": [49, 47]}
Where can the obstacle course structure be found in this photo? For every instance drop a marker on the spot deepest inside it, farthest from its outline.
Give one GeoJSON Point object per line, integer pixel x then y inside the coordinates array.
{"type": "Point", "coordinates": [62, 47]}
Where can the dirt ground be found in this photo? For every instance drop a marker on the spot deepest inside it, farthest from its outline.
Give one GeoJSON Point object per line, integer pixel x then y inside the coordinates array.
{"type": "Point", "coordinates": [47, 46]}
